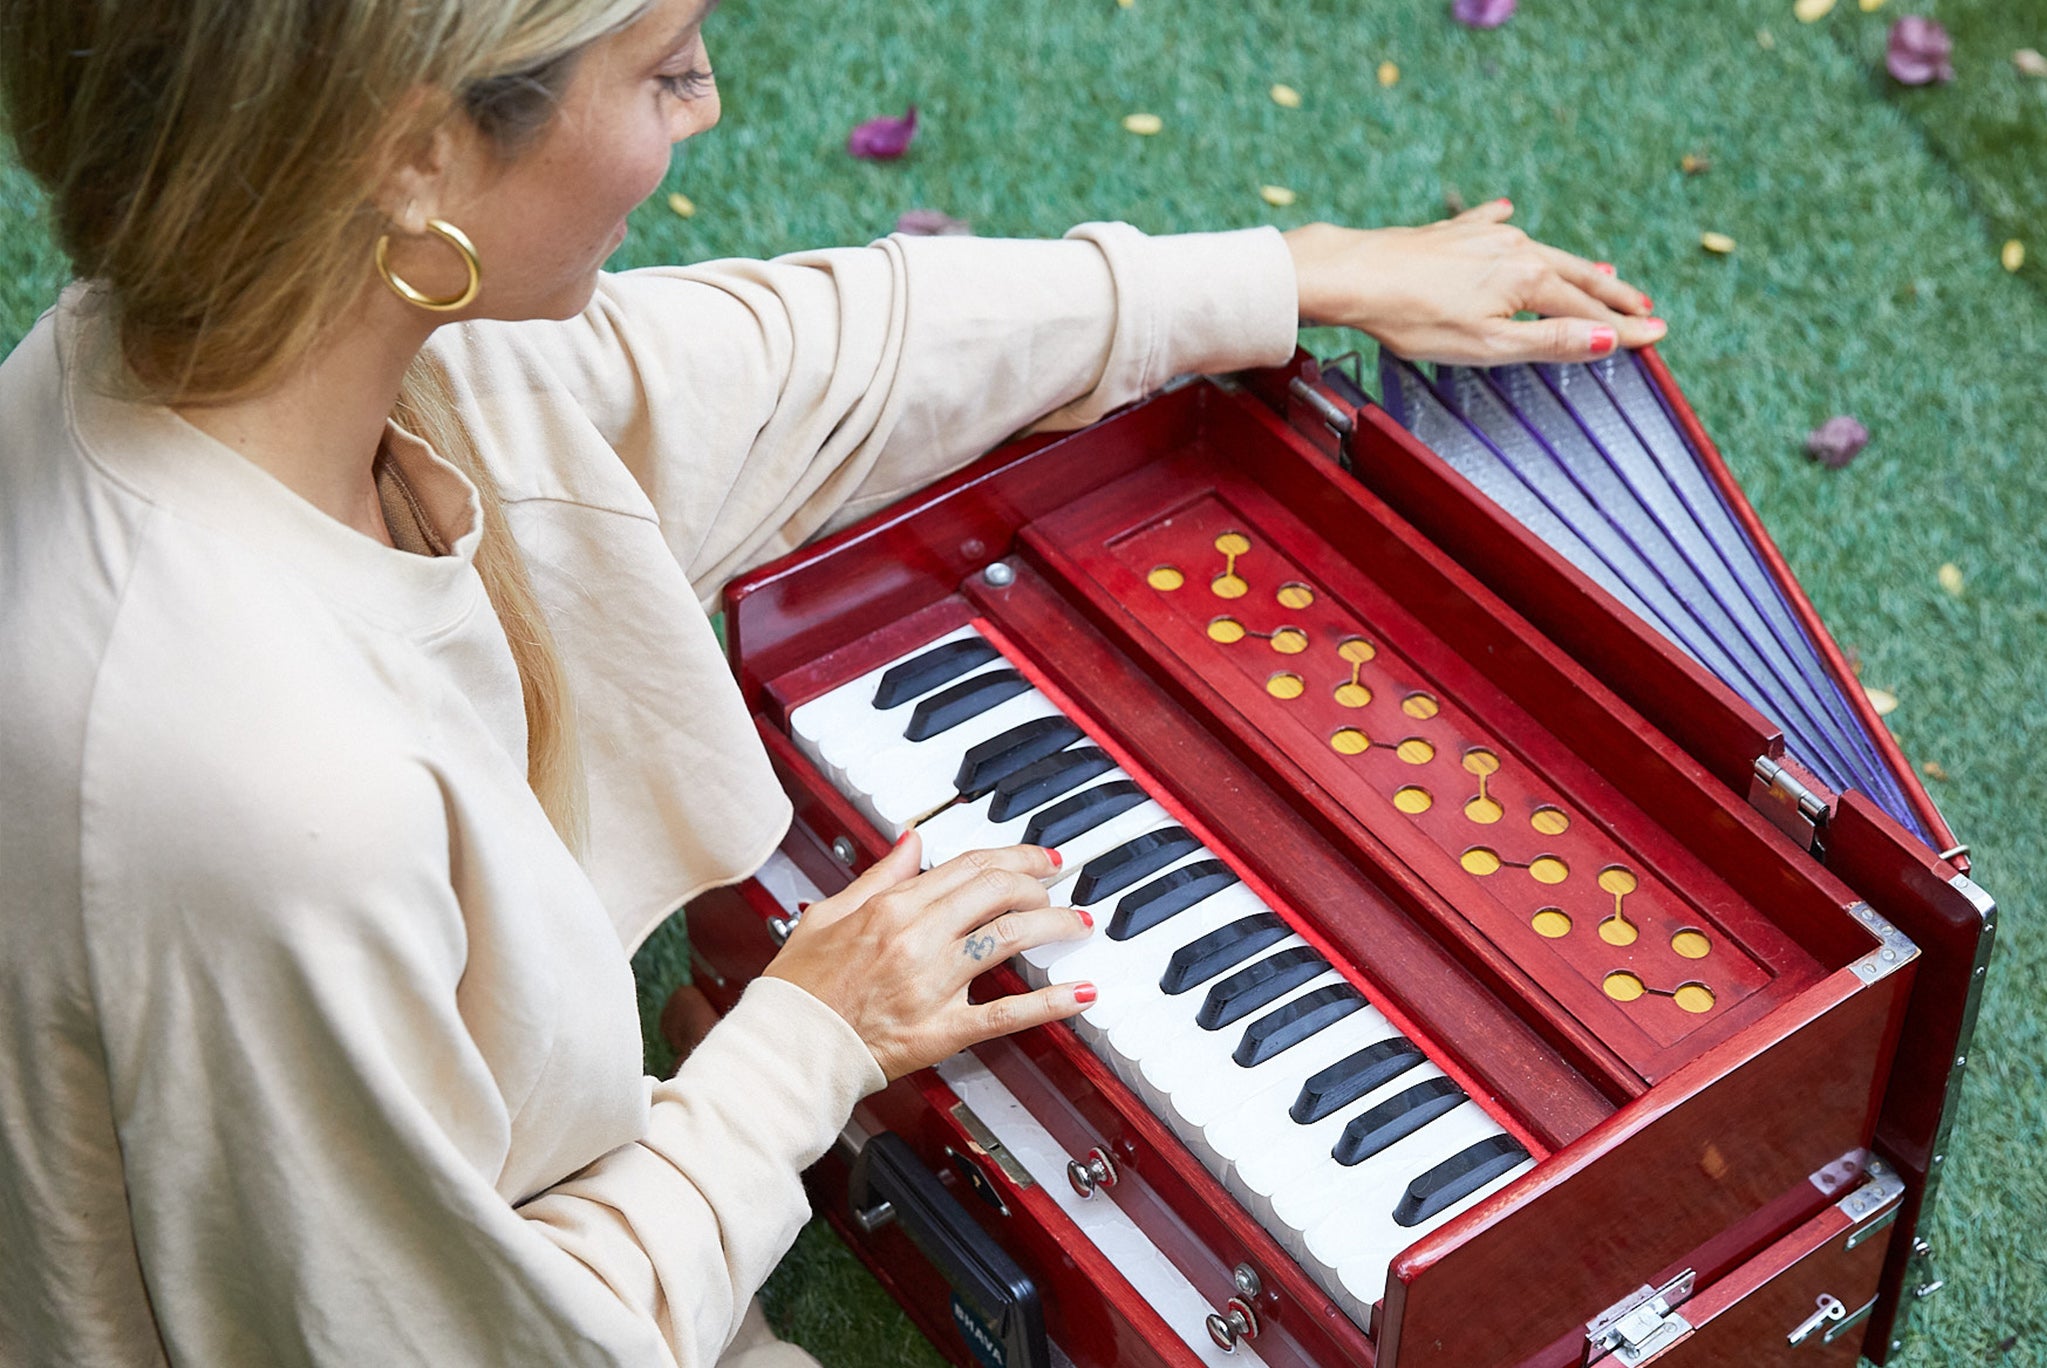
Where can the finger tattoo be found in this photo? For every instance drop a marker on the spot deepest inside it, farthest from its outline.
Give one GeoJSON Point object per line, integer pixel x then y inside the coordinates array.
{"type": "Point", "coordinates": [980, 947]}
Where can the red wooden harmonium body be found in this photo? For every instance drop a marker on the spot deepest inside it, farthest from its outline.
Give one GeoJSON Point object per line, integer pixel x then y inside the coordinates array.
{"type": "Point", "coordinates": [1519, 822]}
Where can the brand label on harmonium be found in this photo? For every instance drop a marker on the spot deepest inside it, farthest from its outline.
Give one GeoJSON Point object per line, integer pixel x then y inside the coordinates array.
{"type": "Point", "coordinates": [980, 1336]}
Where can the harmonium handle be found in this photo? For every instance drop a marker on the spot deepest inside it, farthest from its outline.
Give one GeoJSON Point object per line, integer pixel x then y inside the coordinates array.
{"type": "Point", "coordinates": [994, 1300]}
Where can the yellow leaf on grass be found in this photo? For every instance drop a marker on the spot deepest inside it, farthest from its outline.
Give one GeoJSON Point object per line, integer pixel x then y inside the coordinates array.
{"type": "Point", "coordinates": [1718, 243]}
{"type": "Point", "coordinates": [2030, 62]}
{"type": "Point", "coordinates": [1933, 769]}
{"type": "Point", "coordinates": [1765, 39]}
{"type": "Point", "coordinates": [1389, 74]}
{"type": "Point", "coordinates": [1278, 196]}
{"type": "Point", "coordinates": [1125, 4]}
{"type": "Point", "coordinates": [1883, 700]}
{"type": "Point", "coordinates": [1812, 11]}
{"type": "Point", "coordinates": [1872, 6]}
{"type": "Point", "coordinates": [2014, 255]}
{"type": "Point", "coordinates": [1950, 577]}
{"type": "Point", "coordinates": [683, 206]}
{"type": "Point", "coordinates": [1144, 125]}
{"type": "Point", "coordinates": [1286, 97]}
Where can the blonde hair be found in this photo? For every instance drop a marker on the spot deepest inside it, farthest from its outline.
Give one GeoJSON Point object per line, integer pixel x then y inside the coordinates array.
{"type": "Point", "coordinates": [209, 165]}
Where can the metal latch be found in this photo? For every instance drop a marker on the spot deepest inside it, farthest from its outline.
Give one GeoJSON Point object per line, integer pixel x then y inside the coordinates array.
{"type": "Point", "coordinates": [1829, 1309]}
{"type": "Point", "coordinates": [1641, 1323]}
{"type": "Point", "coordinates": [1792, 808]}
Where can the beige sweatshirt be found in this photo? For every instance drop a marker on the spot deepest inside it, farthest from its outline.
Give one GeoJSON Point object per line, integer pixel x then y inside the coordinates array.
{"type": "Point", "coordinates": [316, 1045]}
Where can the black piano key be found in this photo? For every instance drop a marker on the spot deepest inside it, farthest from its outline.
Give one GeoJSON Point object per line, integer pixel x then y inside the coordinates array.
{"type": "Point", "coordinates": [1112, 871]}
{"type": "Point", "coordinates": [995, 759]}
{"type": "Point", "coordinates": [1351, 1077]}
{"type": "Point", "coordinates": [1167, 896]}
{"type": "Point", "coordinates": [1257, 984]}
{"type": "Point", "coordinates": [1457, 1177]}
{"type": "Point", "coordinates": [920, 674]}
{"type": "Point", "coordinates": [1202, 958]}
{"type": "Point", "coordinates": [1038, 783]}
{"type": "Point", "coordinates": [1083, 812]}
{"type": "Point", "coordinates": [1396, 1119]}
{"type": "Point", "coordinates": [969, 698]}
{"type": "Point", "coordinates": [1281, 1030]}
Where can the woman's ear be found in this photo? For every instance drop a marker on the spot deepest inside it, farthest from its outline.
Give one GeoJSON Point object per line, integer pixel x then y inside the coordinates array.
{"type": "Point", "coordinates": [424, 173]}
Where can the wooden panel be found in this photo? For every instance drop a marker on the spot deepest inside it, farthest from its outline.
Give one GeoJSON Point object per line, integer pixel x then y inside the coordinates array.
{"type": "Point", "coordinates": [1720, 1140]}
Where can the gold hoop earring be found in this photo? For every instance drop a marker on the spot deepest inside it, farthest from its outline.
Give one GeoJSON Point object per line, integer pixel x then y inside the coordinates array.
{"type": "Point", "coordinates": [455, 238]}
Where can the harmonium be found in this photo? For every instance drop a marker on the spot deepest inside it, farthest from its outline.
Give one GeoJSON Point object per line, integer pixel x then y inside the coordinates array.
{"type": "Point", "coordinates": [1518, 941]}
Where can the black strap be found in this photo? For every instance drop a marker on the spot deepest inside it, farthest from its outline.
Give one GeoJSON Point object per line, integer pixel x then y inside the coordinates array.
{"type": "Point", "coordinates": [1351, 1077]}
{"type": "Point", "coordinates": [1457, 1177]}
{"type": "Point", "coordinates": [1281, 1030]}
{"type": "Point", "coordinates": [1397, 1119]}
{"type": "Point", "coordinates": [969, 698]}
{"type": "Point", "coordinates": [920, 674]}
{"type": "Point", "coordinates": [1038, 783]}
{"type": "Point", "coordinates": [1202, 958]}
{"type": "Point", "coordinates": [1083, 812]}
{"type": "Point", "coordinates": [1258, 984]}
{"type": "Point", "coordinates": [1112, 871]}
{"type": "Point", "coordinates": [995, 759]}
{"type": "Point", "coordinates": [1167, 896]}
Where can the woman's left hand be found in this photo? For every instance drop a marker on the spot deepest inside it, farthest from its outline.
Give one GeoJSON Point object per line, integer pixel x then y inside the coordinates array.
{"type": "Point", "coordinates": [1450, 291]}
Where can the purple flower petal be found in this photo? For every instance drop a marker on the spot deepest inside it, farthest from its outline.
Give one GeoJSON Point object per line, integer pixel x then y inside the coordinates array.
{"type": "Point", "coordinates": [1919, 51]}
{"type": "Point", "coordinates": [932, 223]}
{"type": "Point", "coordinates": [1836, 442]}
{"type": "Point", "coordinates": [883, 139]}
{"type": "Point", "coordinates": [1482, 13]}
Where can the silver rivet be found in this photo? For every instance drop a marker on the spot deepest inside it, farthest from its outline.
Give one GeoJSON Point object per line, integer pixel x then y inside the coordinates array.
{"type": "Point", "coordinates": [999, 574]}
{"type": "Point", "coordinates": [842, 850]}
{"type": "Point", "coordinates": [1245, 1278]}
{"type": "Point", "coordinates": [1960, 1060]}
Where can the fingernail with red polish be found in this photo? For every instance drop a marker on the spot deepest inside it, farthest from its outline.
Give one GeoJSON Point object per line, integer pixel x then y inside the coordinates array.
{"type": "Point", "coordinates": [905, 836]}
{"type": "Point", "coordinates": [1083, 993]}
{"type": "Point", "coordinates": [1087, 918]}
{"type": "Point", "coordinates": [1055, 857]}
{"type": "Point", "coordinates": [1648, 304]}
{"type": "Point", "coordinates": [1504, 200]}
{"type": "Point", "coordinates": [1603, 341]}
{"type": "Point", "coordinates": [1603, 267]}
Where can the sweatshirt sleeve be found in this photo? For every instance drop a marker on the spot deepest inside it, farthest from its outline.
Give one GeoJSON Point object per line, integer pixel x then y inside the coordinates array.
{"type": "Point", "coordinates": [760, 402]}
{"type": "Point", "coordinates": [321, 1147]}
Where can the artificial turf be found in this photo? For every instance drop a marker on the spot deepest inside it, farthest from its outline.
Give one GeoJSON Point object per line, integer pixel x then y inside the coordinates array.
{"type": "Point", "coordinates": [1865, 281]}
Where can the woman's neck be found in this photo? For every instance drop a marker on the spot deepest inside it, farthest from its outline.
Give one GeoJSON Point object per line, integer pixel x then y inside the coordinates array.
{"type": "Point", "coordinates": [320, 429]}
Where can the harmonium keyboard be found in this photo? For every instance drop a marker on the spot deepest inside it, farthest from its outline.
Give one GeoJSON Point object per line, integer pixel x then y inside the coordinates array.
{"type": "Point", "coordinates": [1517, 940]}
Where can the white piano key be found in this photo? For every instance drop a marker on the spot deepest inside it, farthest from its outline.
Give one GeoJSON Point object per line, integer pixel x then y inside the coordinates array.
{"type": "Point", "coordinates": [946, 836]}
{"type": "Point", "coordinates": [1036, 963]}
{"type": "Point", "coordinates": [1354, 1268]}
{"type": "Point", "coordinates": [1265, 1122]}
{"type": "Point", "coordinates": [1196, 1087]}
{"type": "Point", "coordinates": [1330, 1211]}
{"type": "Point", "coordinates": [901, 782]}
{"type": "Point", "coordinates": [1126, 973]}
{"type": "Point", "coordinates": [849, 709]}
{"type": "Point", "coordinates": [1160, 1025]}
{"type": "Point", "coordinates": [1270, 1159]}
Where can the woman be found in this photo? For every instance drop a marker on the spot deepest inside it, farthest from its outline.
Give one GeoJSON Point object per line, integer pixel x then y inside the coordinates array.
{"type": "Point", "coordinates": [358, 713]}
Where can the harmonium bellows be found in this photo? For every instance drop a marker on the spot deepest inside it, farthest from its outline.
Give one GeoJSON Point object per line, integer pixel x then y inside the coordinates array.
{"type": "Point", "coordinates": [1517, 940]}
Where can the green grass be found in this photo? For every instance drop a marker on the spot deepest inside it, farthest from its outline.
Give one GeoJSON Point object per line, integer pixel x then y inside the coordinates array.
{"type": "Point", "coordinates": [1866, 281]}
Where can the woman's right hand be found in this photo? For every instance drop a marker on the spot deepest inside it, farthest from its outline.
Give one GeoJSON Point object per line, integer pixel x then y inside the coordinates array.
{"type": "Point", "coordinates": [894, 951]}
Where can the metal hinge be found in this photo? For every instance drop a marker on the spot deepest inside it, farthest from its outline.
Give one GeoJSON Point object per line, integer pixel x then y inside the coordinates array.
{"type": "Point", "coordinates": [1641, 1323]}
{"type": "Point", "coordinates": [1792, 808]}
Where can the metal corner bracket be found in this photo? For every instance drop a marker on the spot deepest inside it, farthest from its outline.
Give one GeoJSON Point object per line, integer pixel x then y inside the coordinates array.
{"type": "Point", "coordinates": [1875, 1204]}
{"type": "Point", "coordinates": [1894, 952]}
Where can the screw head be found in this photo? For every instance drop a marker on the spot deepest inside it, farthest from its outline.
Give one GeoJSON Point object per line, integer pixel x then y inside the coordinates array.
{"type": "Point", "coordinates": [842, 850]}
{"type": "Point", "coordinates": [1245, 1278]}
{"type": "Point", "coordinates": [999, 574]}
